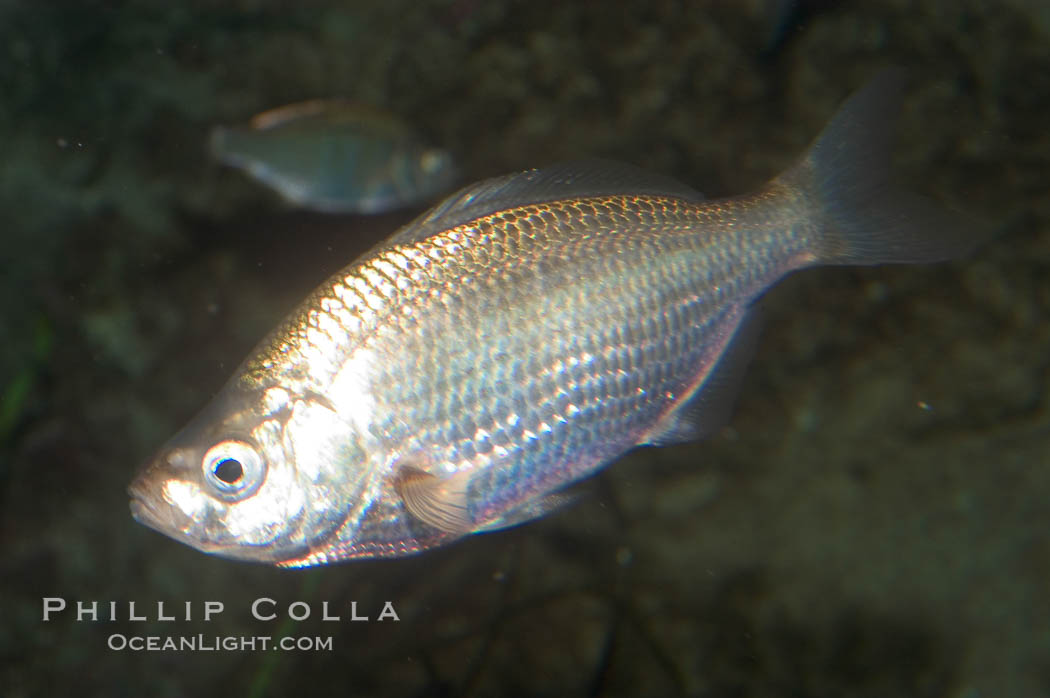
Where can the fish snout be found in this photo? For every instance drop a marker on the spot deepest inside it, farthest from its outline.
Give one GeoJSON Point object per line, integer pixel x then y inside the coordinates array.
{"type": "Point", "coordinates": [150, 492]}
{"type": "Point", "coordinates": [142, 505]}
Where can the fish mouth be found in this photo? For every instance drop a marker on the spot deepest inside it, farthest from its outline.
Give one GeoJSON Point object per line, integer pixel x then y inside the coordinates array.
{"type": "Point", "coordinates": [162, 519]}
{"type": "Point", "coordinates": [143, 511]}
{"type": "Point", "coordinates": [166, 521]}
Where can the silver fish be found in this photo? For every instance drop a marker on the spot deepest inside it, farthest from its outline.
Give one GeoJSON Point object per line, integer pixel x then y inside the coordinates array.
{"type": "Point", "coordinates": [337, 157]}
{"type": "Point", "coordinates": [515, 339]}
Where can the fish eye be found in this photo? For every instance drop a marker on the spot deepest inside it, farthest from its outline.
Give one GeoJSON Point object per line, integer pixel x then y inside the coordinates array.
{"type": "Point", "coordinates": [433, 160]}
{"type": "Point", "coordinates": [234, 469]}
{"type": "Point", "coordinates": [229, 471]}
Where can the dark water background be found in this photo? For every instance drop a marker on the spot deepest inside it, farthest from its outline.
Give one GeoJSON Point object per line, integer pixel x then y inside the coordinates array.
{"type": "Point", "coordinates": [873, 524]}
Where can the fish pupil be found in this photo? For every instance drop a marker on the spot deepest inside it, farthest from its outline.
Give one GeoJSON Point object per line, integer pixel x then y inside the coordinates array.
{"type": "Point", "coordinates": [229, 470]}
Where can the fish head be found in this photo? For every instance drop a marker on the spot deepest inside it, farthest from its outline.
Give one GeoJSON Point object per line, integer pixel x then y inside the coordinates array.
{"type": "Point", "coordinates": [424, 173]}
{"type": "Point", "coordinates": [257, 475]}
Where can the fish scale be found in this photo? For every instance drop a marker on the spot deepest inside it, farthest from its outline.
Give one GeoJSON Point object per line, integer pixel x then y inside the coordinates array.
{"type": "Point", "coordinates": [519, 336]}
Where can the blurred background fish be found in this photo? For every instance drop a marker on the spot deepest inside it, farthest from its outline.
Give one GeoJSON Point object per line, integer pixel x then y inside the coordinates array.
{"type": "Point", "coordinates": [336, 156]}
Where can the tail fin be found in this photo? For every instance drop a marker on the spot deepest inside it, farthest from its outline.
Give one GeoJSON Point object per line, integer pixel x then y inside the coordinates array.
{"type": "Point", "coordinates": [863, 218]}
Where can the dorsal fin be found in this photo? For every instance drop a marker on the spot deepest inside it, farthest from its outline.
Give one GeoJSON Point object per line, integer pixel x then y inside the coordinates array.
{"type": "Point", "coordinates": [279, 116]}
{"type": "Point", "coordinates": [570, 180]}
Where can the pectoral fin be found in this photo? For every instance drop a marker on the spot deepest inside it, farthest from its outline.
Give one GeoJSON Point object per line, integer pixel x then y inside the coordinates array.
{"type": "Point", "coordinates": [436, 501]}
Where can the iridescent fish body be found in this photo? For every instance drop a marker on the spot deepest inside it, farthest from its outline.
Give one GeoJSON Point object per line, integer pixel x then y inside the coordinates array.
{"type": "Point", "coordinates": [336, 156]}
{"type": "Point", "coordinates": [523, 334]}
